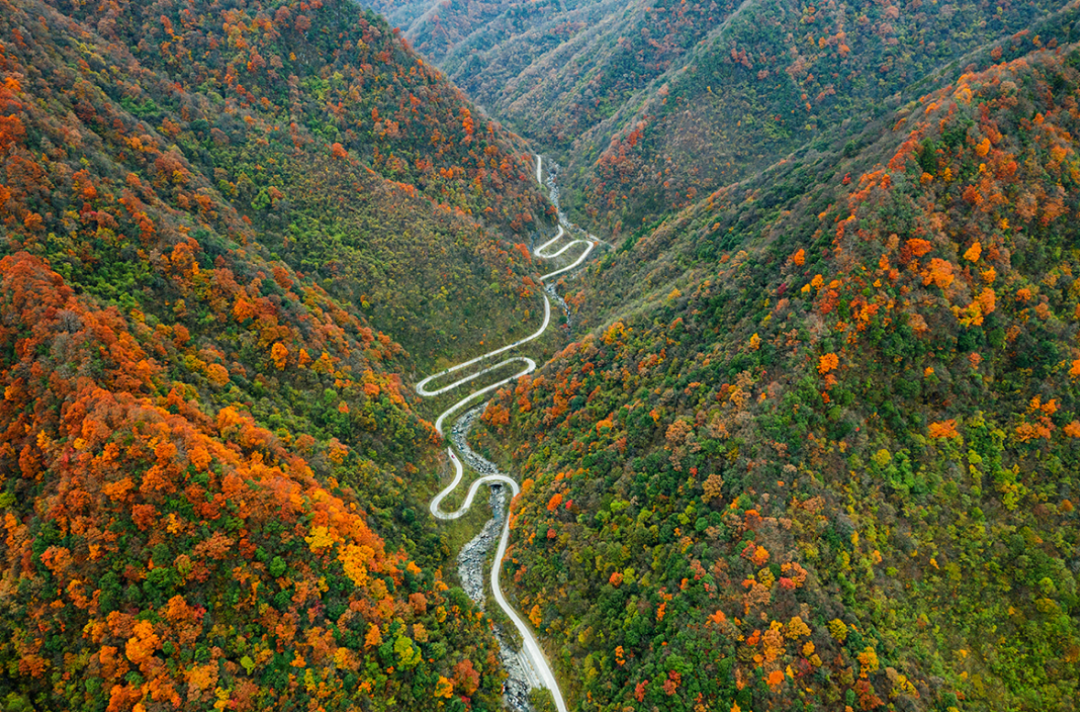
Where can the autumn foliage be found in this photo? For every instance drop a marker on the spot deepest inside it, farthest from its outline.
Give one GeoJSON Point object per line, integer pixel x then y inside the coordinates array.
{"type": "Point", "coordinates": [198, 514]}
{"type": "Point", "coordinates": [196, 424]}
{"type": "Point", "coordinates": [816, 520]}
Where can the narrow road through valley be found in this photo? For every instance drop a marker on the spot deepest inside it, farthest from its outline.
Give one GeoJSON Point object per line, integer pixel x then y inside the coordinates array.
{"type": "Point", "coordinates": [525, 366]}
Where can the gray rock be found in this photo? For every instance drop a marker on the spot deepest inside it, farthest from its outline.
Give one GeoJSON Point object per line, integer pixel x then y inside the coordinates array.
{"type": "Point", "coordinates": [473, 565]}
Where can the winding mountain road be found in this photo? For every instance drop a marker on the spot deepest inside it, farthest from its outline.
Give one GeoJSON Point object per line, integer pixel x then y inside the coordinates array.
{"type": "Point", "coordinates": [526, 366]}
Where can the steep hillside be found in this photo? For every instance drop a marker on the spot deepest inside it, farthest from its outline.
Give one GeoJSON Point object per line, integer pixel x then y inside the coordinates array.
{"type": "Point", "coordinates": [820, 450]}
{"type": "Point", "coordinates": [159, 556]}
{"type": "Point", "coordinates": [817, 444]}
{"type": "Point", "coordinates": [351, 159]}
{"type": "Point", "coordinates": [780, 76]}
{"type": "Point", "coordinates": [652, 104]}
{"type": "Point", "coordinates": [210, 472]}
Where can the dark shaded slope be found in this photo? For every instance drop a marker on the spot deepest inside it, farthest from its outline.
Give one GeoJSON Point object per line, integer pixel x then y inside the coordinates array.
{"type": "Point", "coordinates": [651, 105]}
{"type": "Point", "coordinates": [778, 77]}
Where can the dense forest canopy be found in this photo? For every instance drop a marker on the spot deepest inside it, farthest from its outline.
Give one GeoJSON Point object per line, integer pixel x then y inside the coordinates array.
{"type": "Point", "coordinates": [807, 436]}
{"type": "Point", "coordinates": [817, 445]}
{"type": "Point", "coordinates": [652, 104]}
{"type": "Point", "coordinates": [213, 215]}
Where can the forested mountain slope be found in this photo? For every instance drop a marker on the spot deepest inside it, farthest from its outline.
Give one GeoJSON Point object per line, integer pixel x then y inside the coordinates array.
{"type": "Point", "coordinates": [209, 468]}
{"type": "Point", "coordinates": [353, 160]}
{"type": "Point", "coordinates": [818, 447]}
{"type": "Point", "coordinates": [652, 104]}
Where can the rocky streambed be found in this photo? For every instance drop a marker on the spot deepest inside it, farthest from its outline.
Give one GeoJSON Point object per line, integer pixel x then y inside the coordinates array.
{"type": "Point", "coordinates": [472, 564]}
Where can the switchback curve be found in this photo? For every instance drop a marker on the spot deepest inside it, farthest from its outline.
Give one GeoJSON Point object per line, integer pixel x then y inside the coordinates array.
{"type": "Point", "coordinates": [544, 251]}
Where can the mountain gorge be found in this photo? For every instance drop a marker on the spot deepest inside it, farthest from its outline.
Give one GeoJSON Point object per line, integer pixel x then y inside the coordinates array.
{"type": "Point", "coordinates": [806, 436]}
{"type": "Point", "coordinates": [652, 104]}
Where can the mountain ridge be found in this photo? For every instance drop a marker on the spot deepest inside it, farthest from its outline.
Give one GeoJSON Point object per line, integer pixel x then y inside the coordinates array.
{"type": "Point", "coordinates": [211, 466]}
{"type": "Point", "coordinates": [636, 145]}
{"type": "Point", "coordinates": [815, 418]}
{"type": "Point", "coordinates": [810, 444]}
